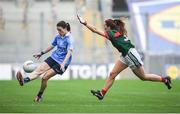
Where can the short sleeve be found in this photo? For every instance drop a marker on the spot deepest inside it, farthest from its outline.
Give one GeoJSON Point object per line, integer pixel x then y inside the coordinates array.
{"type": "Point", "coordinates": [112, 34]}
{"type": "Point", "coordinates": [54, 42]}
{"type": "Point", "coordinates": [70, 43]}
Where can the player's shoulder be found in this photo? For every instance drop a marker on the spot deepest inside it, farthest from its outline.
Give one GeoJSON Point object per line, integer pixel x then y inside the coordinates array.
{"type": "Point", "coordinates": [111, 33]}
{"type": "Point", "coordinates": [69, 36]}
{"type": "Point", "coordinates": [57, 36]}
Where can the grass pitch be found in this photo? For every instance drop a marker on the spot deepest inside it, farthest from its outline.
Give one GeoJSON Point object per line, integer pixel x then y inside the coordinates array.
{"type": "Point", "coordinates": [74, 96]}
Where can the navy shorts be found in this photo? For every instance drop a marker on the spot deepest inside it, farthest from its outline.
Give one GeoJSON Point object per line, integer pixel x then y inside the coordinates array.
{"type": "Point", "coordinates": [54, 65]}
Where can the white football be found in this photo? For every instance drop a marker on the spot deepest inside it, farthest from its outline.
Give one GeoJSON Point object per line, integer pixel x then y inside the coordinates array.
{"type": "Point", "coordinates": [29, 66]}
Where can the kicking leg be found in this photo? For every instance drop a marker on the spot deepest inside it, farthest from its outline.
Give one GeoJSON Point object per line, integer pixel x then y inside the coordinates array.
{"type": "Point", "coordinates": [39, 70]}
{"type": "Point", "coordinates": [119, 66]}
{"type": "Point", "coordinates": [50, 73]}
{"type": "Point", "coordinates": [35, 74]}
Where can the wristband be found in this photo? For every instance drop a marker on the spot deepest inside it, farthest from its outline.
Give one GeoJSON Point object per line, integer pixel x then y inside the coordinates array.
{"type": "Point", "coordinates": [42, 53]}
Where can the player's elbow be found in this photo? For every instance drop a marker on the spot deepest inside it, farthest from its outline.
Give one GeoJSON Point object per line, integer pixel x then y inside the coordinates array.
{"type": "Point", "coordinates": [94, 30]}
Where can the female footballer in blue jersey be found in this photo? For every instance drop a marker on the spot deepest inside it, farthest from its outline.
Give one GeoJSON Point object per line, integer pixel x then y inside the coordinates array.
{"type": "Point", "coordinates": [57, 63]}
{"type": "Point", "coordinates": [116, 33]}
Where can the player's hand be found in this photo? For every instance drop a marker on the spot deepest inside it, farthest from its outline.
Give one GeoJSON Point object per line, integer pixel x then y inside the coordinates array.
{"type": "Point", "coordinates": [37, 56]}
{"type": "Point", "coordinates": [81, 20]}
{"type": "Point", "coordinates": [62, 66]}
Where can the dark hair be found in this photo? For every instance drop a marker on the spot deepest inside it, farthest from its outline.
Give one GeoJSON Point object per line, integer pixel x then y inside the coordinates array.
{"type": "Point", "coordinates": [121, 26]}
{"type": "Point", "coordinates": [64, 25]}
{"type": "Point", "coordinates": [110, 23]}
{"type": "Point", "coordinates": [117, 24]}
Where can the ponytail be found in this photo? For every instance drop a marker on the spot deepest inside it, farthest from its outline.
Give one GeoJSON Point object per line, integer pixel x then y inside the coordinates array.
{"type": "Point", "coordinates": [121, 26]}
{"type": "Point", "coordinates": [68, 27]}
{"type": "Point", "coordinates": [118, 25]}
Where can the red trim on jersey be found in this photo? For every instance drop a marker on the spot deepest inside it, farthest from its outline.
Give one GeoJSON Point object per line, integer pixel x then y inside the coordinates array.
{"type": "Point", "coordinates": [117, 34]}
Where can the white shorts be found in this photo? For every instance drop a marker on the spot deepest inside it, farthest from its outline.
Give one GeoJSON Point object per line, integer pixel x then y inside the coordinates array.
{"type": "Point", "coordinates": [132, 59]}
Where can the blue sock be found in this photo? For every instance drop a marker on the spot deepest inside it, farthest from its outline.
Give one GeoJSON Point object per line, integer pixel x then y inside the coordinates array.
{"type": "Point", "coordinates": [26, 80]}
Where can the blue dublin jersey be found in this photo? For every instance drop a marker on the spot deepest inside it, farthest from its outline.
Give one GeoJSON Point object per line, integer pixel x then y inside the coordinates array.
{"type": "Point", "coordinates": [63, 44]}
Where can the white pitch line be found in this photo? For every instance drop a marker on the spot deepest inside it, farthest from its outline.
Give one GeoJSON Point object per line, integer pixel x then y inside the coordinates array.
{"type": "Point", "coordinates": [95, 105]}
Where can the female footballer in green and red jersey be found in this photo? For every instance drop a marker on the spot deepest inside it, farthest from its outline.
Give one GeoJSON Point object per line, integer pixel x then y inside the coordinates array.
{"type": "Point", "coordinates": [116, 33]}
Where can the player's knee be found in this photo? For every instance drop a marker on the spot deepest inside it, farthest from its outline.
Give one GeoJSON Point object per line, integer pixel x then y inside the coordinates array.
{"type": "Point", "coordinates": [143, 78]}
{"type": "Point", "coordinates": [45, 78]}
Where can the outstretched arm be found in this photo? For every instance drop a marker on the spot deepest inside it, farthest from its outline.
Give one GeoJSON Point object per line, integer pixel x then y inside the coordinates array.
{"type": "Point", "coordinates": [38, 55]}
{"type": "Point", "coordinates": [90, 27]}
{"type": "Point", "coordinates": [49, 48]}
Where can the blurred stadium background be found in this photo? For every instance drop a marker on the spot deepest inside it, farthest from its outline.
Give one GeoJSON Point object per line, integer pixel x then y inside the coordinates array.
{"type": "Point", "coordinates": [28, 26]}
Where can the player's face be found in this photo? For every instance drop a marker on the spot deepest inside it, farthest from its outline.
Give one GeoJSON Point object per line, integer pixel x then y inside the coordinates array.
{"type": "Point", "coordinates": [106, 27]}
{"type": "Point", "coordinates": [61, 31]}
